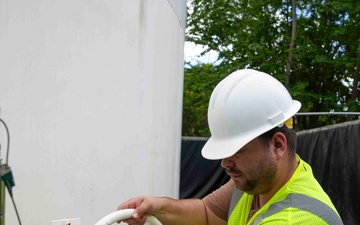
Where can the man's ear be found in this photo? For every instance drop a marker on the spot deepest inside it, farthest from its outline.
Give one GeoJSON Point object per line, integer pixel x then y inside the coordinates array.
{"type": "Point", "coordinates": [280, 144]}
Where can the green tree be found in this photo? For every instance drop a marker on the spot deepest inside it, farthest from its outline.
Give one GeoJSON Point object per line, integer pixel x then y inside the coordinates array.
{"type": "Point", "coordinates": [318, 61]}
{"type": "Point", "coordinates": [326, 58]}
{"type": "Point", "coordinates": [199, 81]}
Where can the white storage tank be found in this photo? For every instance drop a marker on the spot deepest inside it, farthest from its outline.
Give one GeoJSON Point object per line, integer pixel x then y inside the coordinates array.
{"type": "Point", "coordinates": [92, 94]}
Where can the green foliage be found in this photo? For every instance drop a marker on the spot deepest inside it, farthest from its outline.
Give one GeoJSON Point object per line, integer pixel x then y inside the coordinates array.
{"type": "Point", "coordinates": [199, 81]}
{"type": "Point", "coordinates": [257, 34]}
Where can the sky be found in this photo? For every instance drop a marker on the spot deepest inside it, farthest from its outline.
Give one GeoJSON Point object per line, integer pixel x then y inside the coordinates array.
{"type": "Point", "coordinates": [192, 52]}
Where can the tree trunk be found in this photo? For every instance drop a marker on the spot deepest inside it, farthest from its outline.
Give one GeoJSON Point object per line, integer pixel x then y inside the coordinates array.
{"type": "Point", "coordinates": [292, 45]}
{"type": "Point", "coordinates": [354, 91]}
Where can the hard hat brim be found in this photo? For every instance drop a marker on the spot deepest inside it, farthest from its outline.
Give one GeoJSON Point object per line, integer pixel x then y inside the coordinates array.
{"type": "Point", "coordinates": [220, 148]}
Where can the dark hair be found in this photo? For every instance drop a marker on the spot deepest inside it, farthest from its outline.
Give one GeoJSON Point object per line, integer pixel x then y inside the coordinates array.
{"type": "Point", "coordinates": [290, 135]}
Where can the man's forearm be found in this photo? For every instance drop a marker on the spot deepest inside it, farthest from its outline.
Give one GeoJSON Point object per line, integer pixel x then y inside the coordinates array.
{"type": "Point", "coordinates": [182, 212]}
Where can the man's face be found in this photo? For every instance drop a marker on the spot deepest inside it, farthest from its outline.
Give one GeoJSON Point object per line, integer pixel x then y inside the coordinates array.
{"type": "Point", "coordinates": [253, 169]}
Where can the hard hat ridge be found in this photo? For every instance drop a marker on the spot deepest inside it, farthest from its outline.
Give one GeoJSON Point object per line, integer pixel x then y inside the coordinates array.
{"type": "Point", "coordinates": [242, 106]}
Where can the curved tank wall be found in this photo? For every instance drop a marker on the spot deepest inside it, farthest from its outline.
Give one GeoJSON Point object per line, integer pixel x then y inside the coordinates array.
{"type": "Point", "coordinates": [92, 94]}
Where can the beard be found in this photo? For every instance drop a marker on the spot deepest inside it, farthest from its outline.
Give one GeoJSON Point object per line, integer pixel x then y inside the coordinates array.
{"type": "Point", "coordinates": [259, 178]}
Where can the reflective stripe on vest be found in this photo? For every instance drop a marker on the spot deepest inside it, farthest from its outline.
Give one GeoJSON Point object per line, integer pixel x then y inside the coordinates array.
{"type": "Point", "coordinates": [235, 197]}
{"type": "Point", "coordinates": [299, 201]}
{"type": "Point", "coordinates": [305, 203]}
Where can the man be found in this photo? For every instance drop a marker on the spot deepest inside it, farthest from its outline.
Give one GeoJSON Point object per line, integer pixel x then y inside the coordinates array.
{"type": "Point", "coordinates": [249, 117]}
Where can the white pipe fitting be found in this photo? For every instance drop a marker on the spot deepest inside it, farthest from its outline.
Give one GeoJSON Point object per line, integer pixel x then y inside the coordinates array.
{"type": "Point", "coordinates": [125, 214]}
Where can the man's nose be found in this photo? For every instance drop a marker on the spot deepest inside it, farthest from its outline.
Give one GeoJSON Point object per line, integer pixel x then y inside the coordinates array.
{"type": "Point", "coordinates": [227, 163]}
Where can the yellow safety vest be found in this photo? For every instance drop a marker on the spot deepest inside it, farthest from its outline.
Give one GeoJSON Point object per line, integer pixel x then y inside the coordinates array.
{"type": "Point", "coordinates": [300, 201]}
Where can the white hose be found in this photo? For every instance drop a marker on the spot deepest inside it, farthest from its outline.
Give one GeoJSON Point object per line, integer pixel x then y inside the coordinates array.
{"type": "Point", "coordinates": [125, 214]}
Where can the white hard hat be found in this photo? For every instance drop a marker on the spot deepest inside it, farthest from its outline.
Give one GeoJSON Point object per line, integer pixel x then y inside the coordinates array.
{"type": "Point", "coordinates": [244, 105]}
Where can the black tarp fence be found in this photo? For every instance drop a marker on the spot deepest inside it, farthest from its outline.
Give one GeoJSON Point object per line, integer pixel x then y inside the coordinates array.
{"type": "Point", "coordinates": [198, 176]}
{"type": "Point", "coordinates": [332, 151]}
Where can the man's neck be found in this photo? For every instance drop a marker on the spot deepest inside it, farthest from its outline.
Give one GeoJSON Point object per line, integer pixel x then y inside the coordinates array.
{"type": "Point", "coordinates": [283, 177]}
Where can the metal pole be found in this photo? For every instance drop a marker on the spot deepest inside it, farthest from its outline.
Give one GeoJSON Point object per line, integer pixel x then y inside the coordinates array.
{"type": "Point", "coordinates": [2, 204]}
{"type": "Point", "coordinates": [2, 196]}
{"type": "Point", "coordinates": [328, 113]}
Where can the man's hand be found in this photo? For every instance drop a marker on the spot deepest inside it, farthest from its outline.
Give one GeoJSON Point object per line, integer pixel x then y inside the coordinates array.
{"type": "Point", "coordinates": [168, 211]}
{"type": "Point", "coordinates": [142, 205]}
